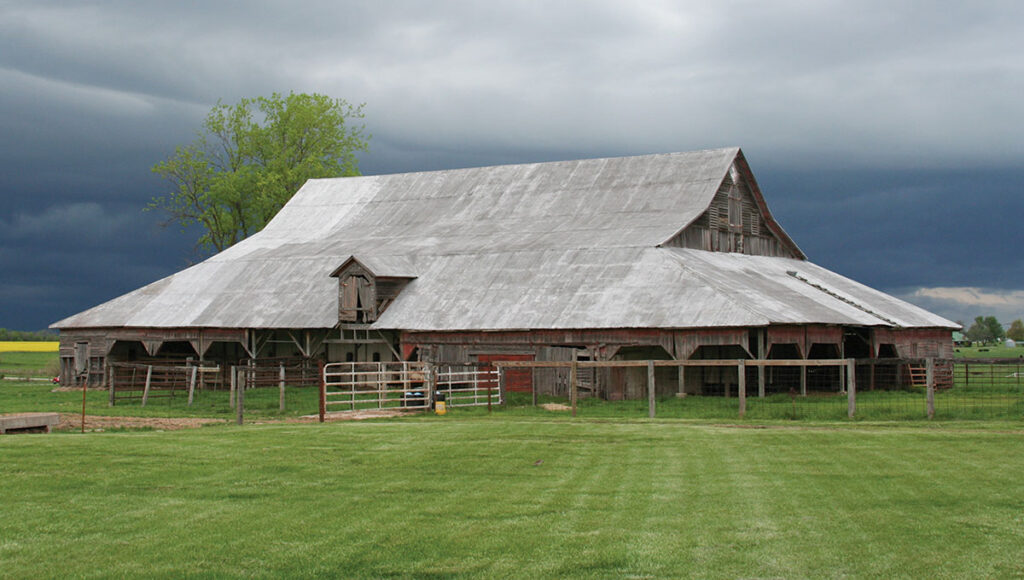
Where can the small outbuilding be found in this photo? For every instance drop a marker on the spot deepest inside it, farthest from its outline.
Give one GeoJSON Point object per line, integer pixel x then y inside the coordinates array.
{"type": "Point", "coordinates": [671, 256]}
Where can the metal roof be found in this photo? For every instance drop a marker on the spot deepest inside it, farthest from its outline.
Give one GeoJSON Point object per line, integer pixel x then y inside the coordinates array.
{"type": "Point", "coordinates": [570, 244]}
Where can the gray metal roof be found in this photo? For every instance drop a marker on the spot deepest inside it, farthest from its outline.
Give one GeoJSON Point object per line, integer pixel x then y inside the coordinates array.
{"type": "Point", "coordinates": [551, 245]}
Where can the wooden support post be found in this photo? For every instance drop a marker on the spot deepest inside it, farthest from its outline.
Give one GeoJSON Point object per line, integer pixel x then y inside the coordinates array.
{"type": "Point", "coordinates": [682, 380]}
{"type": "Point", "coordinates": [650, 389]}
{"type": "Point", "coordinates": [234, 385]}
{"type": "Point", "coordinates": [761, 354]}
{"type": "Point", "coordinates": [240, 406]}
{"type": "Point", "coordinates": [842, 380]}
{"type": "Point", "coordinates": [572, 386]}
{"type": "Point", "coordinates": [280, 387]}
{"type": "Point", "coordinates": [502, 398]}
{"type": "Point", "coordinates": [323, 390]}
{"type": "Point", "coordinates": [192, 385]}
{"type": "Point", "coordinates": [149, 380]}
{"type": "Point", "coordinates": [803, 380]}
{"type": "Point", "coordinates": [873, 361]}
{"type": "Point", "coordinates": [110, 387]}
{"type": "Point", "coordinates": [533, 390]}
{"type": "Point", "coordinates": [930, 382]}
{"type": "Point", "coordinates": [742, 368]}
{"type": "Point", "coordinates": [490, 390]}
{"type": "Point", "coordinates": [851, 391]}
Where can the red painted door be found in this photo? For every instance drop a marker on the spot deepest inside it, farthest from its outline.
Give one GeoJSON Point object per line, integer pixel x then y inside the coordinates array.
{"type": "Point", "coordinates": [520, 380]}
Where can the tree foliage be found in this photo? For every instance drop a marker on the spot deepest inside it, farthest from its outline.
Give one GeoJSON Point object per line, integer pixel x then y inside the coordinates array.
{"type": "Point", "coordinates": [251, 157]}
{"type": "Point", "coordinates": [985, 329]}
{"type": "Point", "coordinates": [1016, 330]}
{"type": "Point", "coordinates": [25, 335]}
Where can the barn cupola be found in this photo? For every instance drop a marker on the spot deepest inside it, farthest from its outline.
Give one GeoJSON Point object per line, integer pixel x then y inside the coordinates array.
{"type": "Point", "coordinates": [367, 286]}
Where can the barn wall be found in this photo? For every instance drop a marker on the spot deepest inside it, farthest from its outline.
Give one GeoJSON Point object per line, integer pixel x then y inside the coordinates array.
{"type": "Point", "coordinates": [743, 230]}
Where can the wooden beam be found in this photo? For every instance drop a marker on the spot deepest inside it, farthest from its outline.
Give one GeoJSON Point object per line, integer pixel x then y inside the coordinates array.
{"type": "Point", "coordinates": [650, 389]}
{"type": "Point", "coordinates": [742, 368]}
{"type": "Point", "coordinates": [851, 388]}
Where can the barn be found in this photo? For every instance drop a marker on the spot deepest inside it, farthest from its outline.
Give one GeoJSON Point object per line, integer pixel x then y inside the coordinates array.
{"type": "Point", "coordinates": [669, 256]}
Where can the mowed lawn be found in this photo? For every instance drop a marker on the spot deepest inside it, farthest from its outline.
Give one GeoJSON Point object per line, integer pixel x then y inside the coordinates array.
{"type": "Point", "coordinates": [515, 497]}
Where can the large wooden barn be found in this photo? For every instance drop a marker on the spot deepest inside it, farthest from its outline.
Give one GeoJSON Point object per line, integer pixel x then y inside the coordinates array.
{"type": "Point", "coordinates": [672, 256]}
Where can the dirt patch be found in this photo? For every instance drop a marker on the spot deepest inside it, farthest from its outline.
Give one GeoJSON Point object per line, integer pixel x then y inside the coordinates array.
{"type": "Point", "coordinates": [555, 407]}
{"type": "Point", "coordinates": [354, 415]}
{"type": "Point", "coordinates": [73, 422]}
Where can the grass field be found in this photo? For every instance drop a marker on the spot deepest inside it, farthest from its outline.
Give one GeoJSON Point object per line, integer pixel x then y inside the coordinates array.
{"type": "Point", "coordinates": [32, 363]}
{"type": "Point", "coordinates": [515, 497]}
{"type": "Point", "coordinates": [989, 352]}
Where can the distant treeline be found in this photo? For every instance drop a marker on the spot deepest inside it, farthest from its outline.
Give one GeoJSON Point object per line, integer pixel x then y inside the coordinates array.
{"type": "Point", "coordinates": [26, 335]}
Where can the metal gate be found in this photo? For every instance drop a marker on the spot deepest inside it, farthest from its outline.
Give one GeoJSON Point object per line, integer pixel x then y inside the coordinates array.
{"type": "Point", "coordinates": [376, 385]}
{"type": "Point", "coordinates": [468, 386]}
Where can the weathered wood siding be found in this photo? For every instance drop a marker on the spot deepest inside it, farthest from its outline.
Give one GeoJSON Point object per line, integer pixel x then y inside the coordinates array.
{"type": "Point", "coordinates": [732, 223]}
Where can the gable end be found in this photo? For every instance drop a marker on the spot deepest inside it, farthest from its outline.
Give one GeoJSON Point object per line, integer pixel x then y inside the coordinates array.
{"type": "Point", "coordinates": [737, 220]}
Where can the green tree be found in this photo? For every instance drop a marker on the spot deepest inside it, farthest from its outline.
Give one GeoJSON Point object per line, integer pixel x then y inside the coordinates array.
{"type": "Point", "coordinates": [1016, 331]}
{"type": "Point", "coordinates": [994, 328]}
{"type": "Point", "coordinates": [251, 157]}
{"type": "Point", "coordinates": [979, 331]}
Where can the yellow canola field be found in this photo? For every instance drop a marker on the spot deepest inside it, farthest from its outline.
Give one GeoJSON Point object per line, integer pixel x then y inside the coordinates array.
{"type": "Point", "coordinates": [28, 346]}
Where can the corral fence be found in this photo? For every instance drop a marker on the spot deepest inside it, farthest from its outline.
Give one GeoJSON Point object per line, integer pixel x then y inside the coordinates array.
{"type": "Point", "coordinates": [169, 378]}
{"type": "Point", "coordinates": [353, 386]}
{"type": "Point", "coordinates": [159, 379]}
{"type": "Point", "coordinates": [879, 389]}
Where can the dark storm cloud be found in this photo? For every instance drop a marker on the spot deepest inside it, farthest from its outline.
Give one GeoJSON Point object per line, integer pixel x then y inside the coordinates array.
{"type": "Point", "coordinates": [885, 134]}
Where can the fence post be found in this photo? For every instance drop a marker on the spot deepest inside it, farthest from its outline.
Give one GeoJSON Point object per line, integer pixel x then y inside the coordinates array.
{"type": "Point", "coordinates": [234, 385]}
{"type": "Point", "coordinates": [110, 386]}
{"type": "Point", "coordinates": [650, 389]}
{"type": "Point", "coordinates": [280, 386]}
{"type": "Point", "coordinates": [572, 387]}
{"type": "Point", "coordinates": [432, 372]}
{"type": "Point", "coordinates": [192, 385]}
{"type": "Point", "coordinates": [930, 385]}
{"type": "Point", "coordinates": [145, 390]}
{"type": "Point", "coordinates": [851, 388]}
{"type": "Point", "coordinates": [240, 406]}
{"type": "Point", "coordinates": [502, 396]}
{"type": "Point", "coordinates": [323, 389]}
{"type": "Point", "coordinates": [741, 367]}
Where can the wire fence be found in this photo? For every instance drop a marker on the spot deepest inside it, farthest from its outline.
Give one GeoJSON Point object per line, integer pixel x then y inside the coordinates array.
{"type": "Point", "coordinates": [869, 389]}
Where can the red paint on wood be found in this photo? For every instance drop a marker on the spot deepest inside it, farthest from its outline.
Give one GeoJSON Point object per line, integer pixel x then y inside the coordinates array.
{"type": "Point", "coordinates": [519, 380]}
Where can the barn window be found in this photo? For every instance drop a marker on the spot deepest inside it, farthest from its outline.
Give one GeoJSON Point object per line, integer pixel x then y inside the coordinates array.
{"type": "Point", "coordinates": [735, 208]}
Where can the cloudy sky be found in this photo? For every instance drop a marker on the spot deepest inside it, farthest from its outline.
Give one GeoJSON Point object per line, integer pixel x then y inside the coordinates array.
{"type": "Point", "coordinates": [887, 136]}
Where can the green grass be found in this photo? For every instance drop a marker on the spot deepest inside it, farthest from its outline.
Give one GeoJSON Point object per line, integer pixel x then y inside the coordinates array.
{"type": "Point", "coordinates": [999, 351]}
{"type": "Point", "coordinates": [463, 497]}
{"type": "Point", "coordinates": [43, 364]}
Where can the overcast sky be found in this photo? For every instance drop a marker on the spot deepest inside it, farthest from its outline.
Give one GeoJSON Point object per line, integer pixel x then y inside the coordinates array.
{"type": "Point", "coordinates": [886, 136]}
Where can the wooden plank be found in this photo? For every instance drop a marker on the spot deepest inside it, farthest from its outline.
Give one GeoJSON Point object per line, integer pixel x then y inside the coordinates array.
{"type": "Point", "coordinates": [650, 389]}
{"type": "Point", "coordinates": [851, 389]}
{"type": "Point", "coordinates": [192, 385]}
{"type": "Point", "coordinates": [761, 355]}
{"type": "Point", "coordinates": [573, 386]}
{"type": "Point", "coordinates": [931, 387]}
{"type": "Point", "coordinates": [672, 363]}
{"type": "Point", "coordinates": [145, 390]}
{"type": "Point", "coordinates": [742, 369]}
{"type": "Point", "coordinates": [280, 386]}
